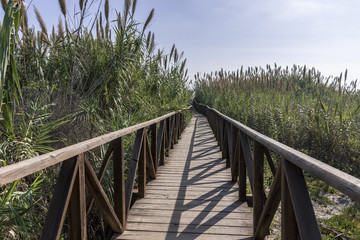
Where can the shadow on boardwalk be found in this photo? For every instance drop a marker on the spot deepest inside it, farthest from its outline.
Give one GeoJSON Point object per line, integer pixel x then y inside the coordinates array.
{"type": "Point", "coordinates": [193, 196]}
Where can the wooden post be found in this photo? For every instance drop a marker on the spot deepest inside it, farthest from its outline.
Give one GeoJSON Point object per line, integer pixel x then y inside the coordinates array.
{"type": "Point", "coordinates": [119, 180]}
{"type": "Point", "coordinates": [271, 205]}
{"type": "Point", "coordinates": [160, 157]}
{"type": "Point", "coordinates": [304, 212]}
{"type": "Point", "coordinates": [60, 201]}
{"type": "Point", "coordinates": [166, 137]}
{"type": "Point", "coordinates": [241, 169]}
{"type": "Point", "coordinates": [289, 228]}
{"type": "Point", "coordinates": [154, 149]}
{"type": "Point", "coordinates": [258, 191]}
{"type": "Point", "coordinates": [142, 168]}
{"type": "Point", "coordinates": [77, 206]}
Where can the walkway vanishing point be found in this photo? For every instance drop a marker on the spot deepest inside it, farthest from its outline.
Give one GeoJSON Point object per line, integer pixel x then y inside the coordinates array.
{"type": "Point", "coordinates": [193, 196]}
{"type": "Point", "coordinates": [197, 192]}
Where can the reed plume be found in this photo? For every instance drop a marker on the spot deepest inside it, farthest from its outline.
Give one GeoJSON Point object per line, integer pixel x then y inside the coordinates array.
{"type": "Point", "coordinates": [148, 20]}
{"type": "Point", "coordinates": [4, 3]}
{"type": "Point", "coordinates": [106, 10]}
{"type": "Point", "coordinates": [133, 7]}
{"type": "Point", "coordinates": [62, 4]}
{"type": "Point", "coordinates": [40, 20]}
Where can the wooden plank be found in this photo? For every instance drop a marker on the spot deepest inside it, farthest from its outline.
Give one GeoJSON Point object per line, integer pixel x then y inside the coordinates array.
{"type": "Point", "coordinates": [210, 207]}
{"type": "Point", "coordinates": [189, 203]}
{"type": "Point", "coordinates": [206, 221]}
{"type": "Point", "coordinates": [119, 180]}
{"type": "Point", "coordinates": [301, 201]}
{"type": "Point", "coordinates": [237, 231]}
{"type": "Point", "coordinates": [101, 199]}
{"type": "Point", "coordinates": [192, 214]}
{"type": "Point", "coordinates": [150, 235]}
{"type": "Point", "coordinates": [24, 168]}
{"type": "Point", "coordinates": [60, 201]}
{"type": "Point", "coordinates": [133, 165]}
{"type": "Point", "coordinates": [289, 228]}
{"type": "Point", "coordinates": [258, 190]}
{"type": "Point", "coordinates": [271, 205]}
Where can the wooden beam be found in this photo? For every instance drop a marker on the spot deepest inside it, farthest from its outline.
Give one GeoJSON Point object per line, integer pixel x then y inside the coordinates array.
{"type": "Point", "coordinates": [229, 156]}
{"type": "Point", "coordinates": [241, 169]}
{"type": "Point", "coordinates": [133, 165]}
{"type": "Point", "coordinates": [271, 205]}
{"type": "Point", "coordinates": [101, 199]}
{"type": "Point", "coordinates": [142, 167]}
{"type": "Point", "coordinates": [77, 206]}
{"type": "Point", "coordinates": [258, 189]}
{"type": "Point", "coordinates": [154, 148]}
{"type": "Point", "coordinates": [60, 201]}
{"type": "Point", "coordinates": [270, 161]}
{"type": "Point", "coordinates": [100, 174]}
{"type": "Point", "coordinates": [289, 228]}
{"type": "Point", "coordinates": [248, 158]}
{"type": "Point", "coordinates": [161, 144]}
{"type": "Point", "coordinates": [304, 212]}
{"type": "Point", "coordinates": [119, 180]}
{"type": "Point", "coordinates": [149, 160]}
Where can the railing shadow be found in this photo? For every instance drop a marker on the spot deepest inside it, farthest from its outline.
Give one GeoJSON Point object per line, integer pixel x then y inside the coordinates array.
{"type": "Point", "coordinates": [211, 197]}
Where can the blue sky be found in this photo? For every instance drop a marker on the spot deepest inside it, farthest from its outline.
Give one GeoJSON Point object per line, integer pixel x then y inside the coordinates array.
{"type": "Point", "coordinates": [215, 34]}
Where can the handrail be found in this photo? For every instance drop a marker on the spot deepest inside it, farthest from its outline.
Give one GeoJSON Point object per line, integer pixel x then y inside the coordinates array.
{"type": "Point", "coordinates": [153, 141]}
{"type": "Point", "coordinates": [289, 184]}
{"type": "Point", "coordinates": [24, 168]}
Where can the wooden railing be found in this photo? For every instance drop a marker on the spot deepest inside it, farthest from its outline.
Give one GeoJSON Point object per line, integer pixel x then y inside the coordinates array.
{"type": "Point", "coordinates": [153, 140]}
{"type": "Point", "coordinates": [297, 215]}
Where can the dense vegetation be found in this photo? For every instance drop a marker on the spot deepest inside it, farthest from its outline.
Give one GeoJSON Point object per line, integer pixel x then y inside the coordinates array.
{"type": "Point", "coordinates": [300, 108]}
{"type": "Point", "coordinates": [74, 81]}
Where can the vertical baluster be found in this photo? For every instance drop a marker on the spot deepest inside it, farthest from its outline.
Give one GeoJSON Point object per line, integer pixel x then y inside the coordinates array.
{"type": "Point", "coordinates": [119, 180]}
{"type": "Point", "coordinates": [289, 229]}
{"type": "Point", "coordinates": [258, 191]}
{"type": "Point", "coordinates": [142, 167]}
{"type": "Point", "coordinates": [154, 149]}
{"type": "Point", "coordinates": [241, 169]}
{"type": "Point", "coordinates": [77, 205]}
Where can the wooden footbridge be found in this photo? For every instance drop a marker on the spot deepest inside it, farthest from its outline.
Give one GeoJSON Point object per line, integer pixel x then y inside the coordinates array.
{"type": "Point", "coordinates": [183, 183]}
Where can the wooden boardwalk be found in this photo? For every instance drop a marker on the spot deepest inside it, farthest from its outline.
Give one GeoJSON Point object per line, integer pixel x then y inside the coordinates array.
{"type": "Point", "coordinates": [193, 196]}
